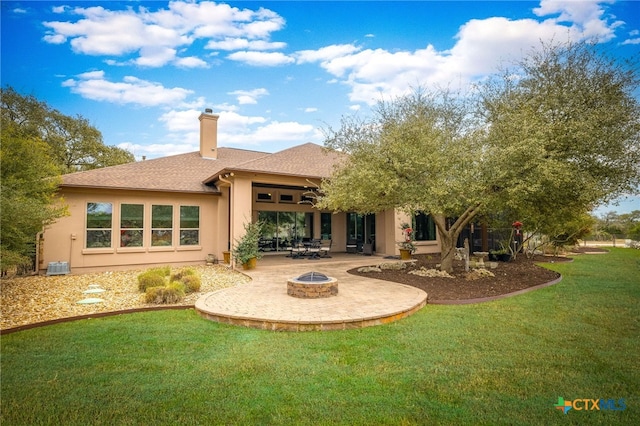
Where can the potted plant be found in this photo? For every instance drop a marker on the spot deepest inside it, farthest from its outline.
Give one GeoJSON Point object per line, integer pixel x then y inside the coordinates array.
{"type": "Point", "coordinates": [407, 247]}
{"type": "Point", "coordinates": [246, 250]}
{"type": "Point", "coordinates": [503, 254]}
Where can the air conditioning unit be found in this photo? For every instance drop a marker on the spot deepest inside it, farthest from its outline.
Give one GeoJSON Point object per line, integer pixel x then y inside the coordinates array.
{"type": "Point", "coordinates": [58, 268]}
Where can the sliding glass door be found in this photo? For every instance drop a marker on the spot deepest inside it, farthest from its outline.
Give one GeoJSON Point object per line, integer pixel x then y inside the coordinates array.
{"type": "Point", "coordinates": [361, 229]}
{"type": "Point", "coordinates": [282, 229]}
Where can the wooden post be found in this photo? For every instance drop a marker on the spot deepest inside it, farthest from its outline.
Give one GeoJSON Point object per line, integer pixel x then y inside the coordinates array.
{"type": "Point", "coordinates": [465, 255]}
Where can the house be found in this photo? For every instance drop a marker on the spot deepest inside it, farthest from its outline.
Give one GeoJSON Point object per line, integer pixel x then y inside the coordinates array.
{"type": "Point", "coordinates": [178, 209]}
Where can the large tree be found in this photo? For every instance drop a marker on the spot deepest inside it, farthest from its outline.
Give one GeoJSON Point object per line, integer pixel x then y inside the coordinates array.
{"type": "Point", "coordinates": [545, 147]}
{"type": "Point", "coordinates": [74, 144]}
{"type": "Point", "coordinates": [421, 152]}
{"type": "Point", "coordinates": [569, 126]}
{"type": "Point", "coordinates": [38, 144]}
{"type": "Point", "coordinates": [29, 178]}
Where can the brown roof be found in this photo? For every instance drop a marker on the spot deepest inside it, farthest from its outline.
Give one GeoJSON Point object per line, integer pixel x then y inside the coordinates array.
{"type": "Point", "coordinates": [177, 173]}
{"type": "Point", "coordinates": [192, 173]}
{"type": "Point", "coordinates": [306, 160]}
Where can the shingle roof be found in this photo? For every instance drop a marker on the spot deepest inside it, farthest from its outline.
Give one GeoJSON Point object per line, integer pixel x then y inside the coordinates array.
{"type": "Point", "coordinates": [191, 173]}
{"type": "Point", "coordinates": [307, 160]}
{"type": "Point", "coordinates": [176, 173]}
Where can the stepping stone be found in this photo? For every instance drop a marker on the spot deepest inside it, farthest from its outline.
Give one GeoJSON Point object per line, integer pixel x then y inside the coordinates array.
{"type": "Point", "coordinates": [89, 301]}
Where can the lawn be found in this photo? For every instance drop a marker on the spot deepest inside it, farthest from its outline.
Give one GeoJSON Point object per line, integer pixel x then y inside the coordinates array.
{"type": "Point", "coordinates": [503, 362]}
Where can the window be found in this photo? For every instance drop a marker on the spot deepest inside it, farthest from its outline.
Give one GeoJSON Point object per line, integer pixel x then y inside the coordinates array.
{"type": "Point", "coordinates": [131, 225]}
{"type": "Point", "coordinates": [424, 227]}
{"type": "Point", "coordinates": [189, 225]}
{"type": "Point", "coordinates": [325, 226]}
{"type": "Point", "coordinates": [99, 223]}
{"type": "Point", "coordinates": [265, 197]}
{"type": "Point", "coordinates": [287, 198]}
{"type": "Point", "coordinates": [161, 225]}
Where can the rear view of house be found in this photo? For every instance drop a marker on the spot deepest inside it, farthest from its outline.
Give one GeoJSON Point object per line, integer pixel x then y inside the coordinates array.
{"type": "Point", "coordinates": [179, 209]}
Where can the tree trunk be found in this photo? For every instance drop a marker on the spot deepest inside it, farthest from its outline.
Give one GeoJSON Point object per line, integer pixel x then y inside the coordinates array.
{"type": "Point", "coordinates": [447, 251]}
{"type": "Point", "coordinates": [449, 235]}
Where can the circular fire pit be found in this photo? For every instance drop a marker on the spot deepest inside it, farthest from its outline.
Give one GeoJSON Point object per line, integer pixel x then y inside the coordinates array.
{"type": "Point", "coordinates": [312, 285]}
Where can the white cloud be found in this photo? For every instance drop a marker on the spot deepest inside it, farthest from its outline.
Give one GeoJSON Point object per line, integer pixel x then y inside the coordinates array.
{"type": "Point", "coordinates": [310, 109]}
{"type": "Point", "coordinates": [482, 45]}
{"type": "Point", "coordinates": [585, 15]}
{"type": "Point", "coordinates": [181, 121]}
{"type": "Point", "coordinates": [270, 134]}
{"type": "Point", "coordinates": [132, 90]}
{"type": "Point", "coordinates": [234, 129]}
{"type": "Point", "coordinates": [190, 62]}
{"type": "Point", "coordinates": [326, 53]}
{"type": "Point", "coordinates": [154, 38]}
{"type": "Point", "coordinates": [261, 59]}
{"type": "Point", "coordinates": [249, 96]}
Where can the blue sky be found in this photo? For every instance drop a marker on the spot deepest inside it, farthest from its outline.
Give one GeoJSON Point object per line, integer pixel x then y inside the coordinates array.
{"type": "Point", "coordinates": [275, 72]}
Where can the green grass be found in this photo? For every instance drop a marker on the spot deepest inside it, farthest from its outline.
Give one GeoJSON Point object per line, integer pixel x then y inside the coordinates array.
{"type": "Point", "coordinates": [504, 362]}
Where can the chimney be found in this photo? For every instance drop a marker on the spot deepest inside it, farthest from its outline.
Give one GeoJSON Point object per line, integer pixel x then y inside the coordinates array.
{"type": "Point", "coordinates": [208, 134]}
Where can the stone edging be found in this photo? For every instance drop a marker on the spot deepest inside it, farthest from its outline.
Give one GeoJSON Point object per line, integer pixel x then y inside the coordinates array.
{"type": "Point", "coordinates": [492, 298]}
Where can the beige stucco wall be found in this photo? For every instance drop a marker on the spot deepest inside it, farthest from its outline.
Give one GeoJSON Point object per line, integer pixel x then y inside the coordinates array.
{"type": "Point", "coordinates": [65, 241]}
{"type": "Point", "coordinates": [388, 226]}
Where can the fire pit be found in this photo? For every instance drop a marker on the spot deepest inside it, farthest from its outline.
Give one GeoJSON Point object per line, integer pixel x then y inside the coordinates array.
{"type": "Point", "coordinates": [312, 285]}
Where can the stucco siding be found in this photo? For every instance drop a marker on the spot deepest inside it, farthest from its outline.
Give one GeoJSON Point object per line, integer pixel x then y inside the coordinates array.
{"type": "Point", "coordinates": [66, 240]}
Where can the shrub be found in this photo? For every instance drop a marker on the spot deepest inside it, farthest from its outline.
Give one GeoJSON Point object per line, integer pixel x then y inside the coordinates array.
{"type": "Point", "coordinates": [150, 279]}
{"type": "Point", "coordinates": [191, 283]}
{"type": "Point", "coordinates": [177, 276]}
{"type": "Point", "coordinates": [171, 293]}
{"type": "Point", "coordinates": [162, 271]}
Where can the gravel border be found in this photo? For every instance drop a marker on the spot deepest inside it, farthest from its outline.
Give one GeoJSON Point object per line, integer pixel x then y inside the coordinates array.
{"type": "Point", "coordinates": [41, 299]}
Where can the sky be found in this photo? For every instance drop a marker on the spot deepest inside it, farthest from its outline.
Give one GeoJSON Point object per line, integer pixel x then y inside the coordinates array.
{"type": "Point", "coordinates": [278, 73]}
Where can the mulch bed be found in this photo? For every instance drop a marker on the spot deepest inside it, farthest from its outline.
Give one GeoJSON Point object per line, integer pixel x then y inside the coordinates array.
{"type": "Point", "coordinates": [516, 275]}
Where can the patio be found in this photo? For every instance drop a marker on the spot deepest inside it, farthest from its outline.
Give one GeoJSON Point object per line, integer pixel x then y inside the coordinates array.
{"type": "Point", "coordinates": [264, 303]}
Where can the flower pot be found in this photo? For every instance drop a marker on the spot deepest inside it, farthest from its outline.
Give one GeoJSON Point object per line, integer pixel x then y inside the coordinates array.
{"type": "Point", "coordinates": [405, 254]}
{"type": "Point", "coordinates": [504, 257]}
{"type": "Point", "coordinates": [249, 264]}
{"type": "Point", "coordinates": [226, 255]}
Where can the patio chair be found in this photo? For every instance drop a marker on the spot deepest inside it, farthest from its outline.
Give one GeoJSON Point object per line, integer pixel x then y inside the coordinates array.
{"type": "Point", "coordinates": [314, 249]}
{"type": "Point", "coordinates": [352, 246]}
{"type": "Point", "coordinates": [296, 251]}
{"type": "Point", "coordinates": [325, 248]}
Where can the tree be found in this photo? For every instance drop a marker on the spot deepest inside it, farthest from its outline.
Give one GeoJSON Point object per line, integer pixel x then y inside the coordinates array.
{"type": "Point", "coordinates": [545, 147]}
{"type": "Point", "coordinates": [28, 187]}
{"type": "Point", "coordinates": [38, 144]}
{"type": "Point", "coordinates": [74, 143]}
{"type": "Point", "coordinates": [421, 152]}
{"type": "Point", "coordinates": [569, 126]}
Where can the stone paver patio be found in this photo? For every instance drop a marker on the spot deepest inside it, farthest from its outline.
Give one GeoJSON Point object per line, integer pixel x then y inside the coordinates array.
{"type": "Point", "coordinates": [264, 303]}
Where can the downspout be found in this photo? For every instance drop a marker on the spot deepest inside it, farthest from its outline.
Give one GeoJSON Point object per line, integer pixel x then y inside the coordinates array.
{"type": "Point", "coordinates": [39, 243]}
{"type": "Point", "coordinates": [228, 182]}
{"type": "Point", "coordinates": [73, 238]}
